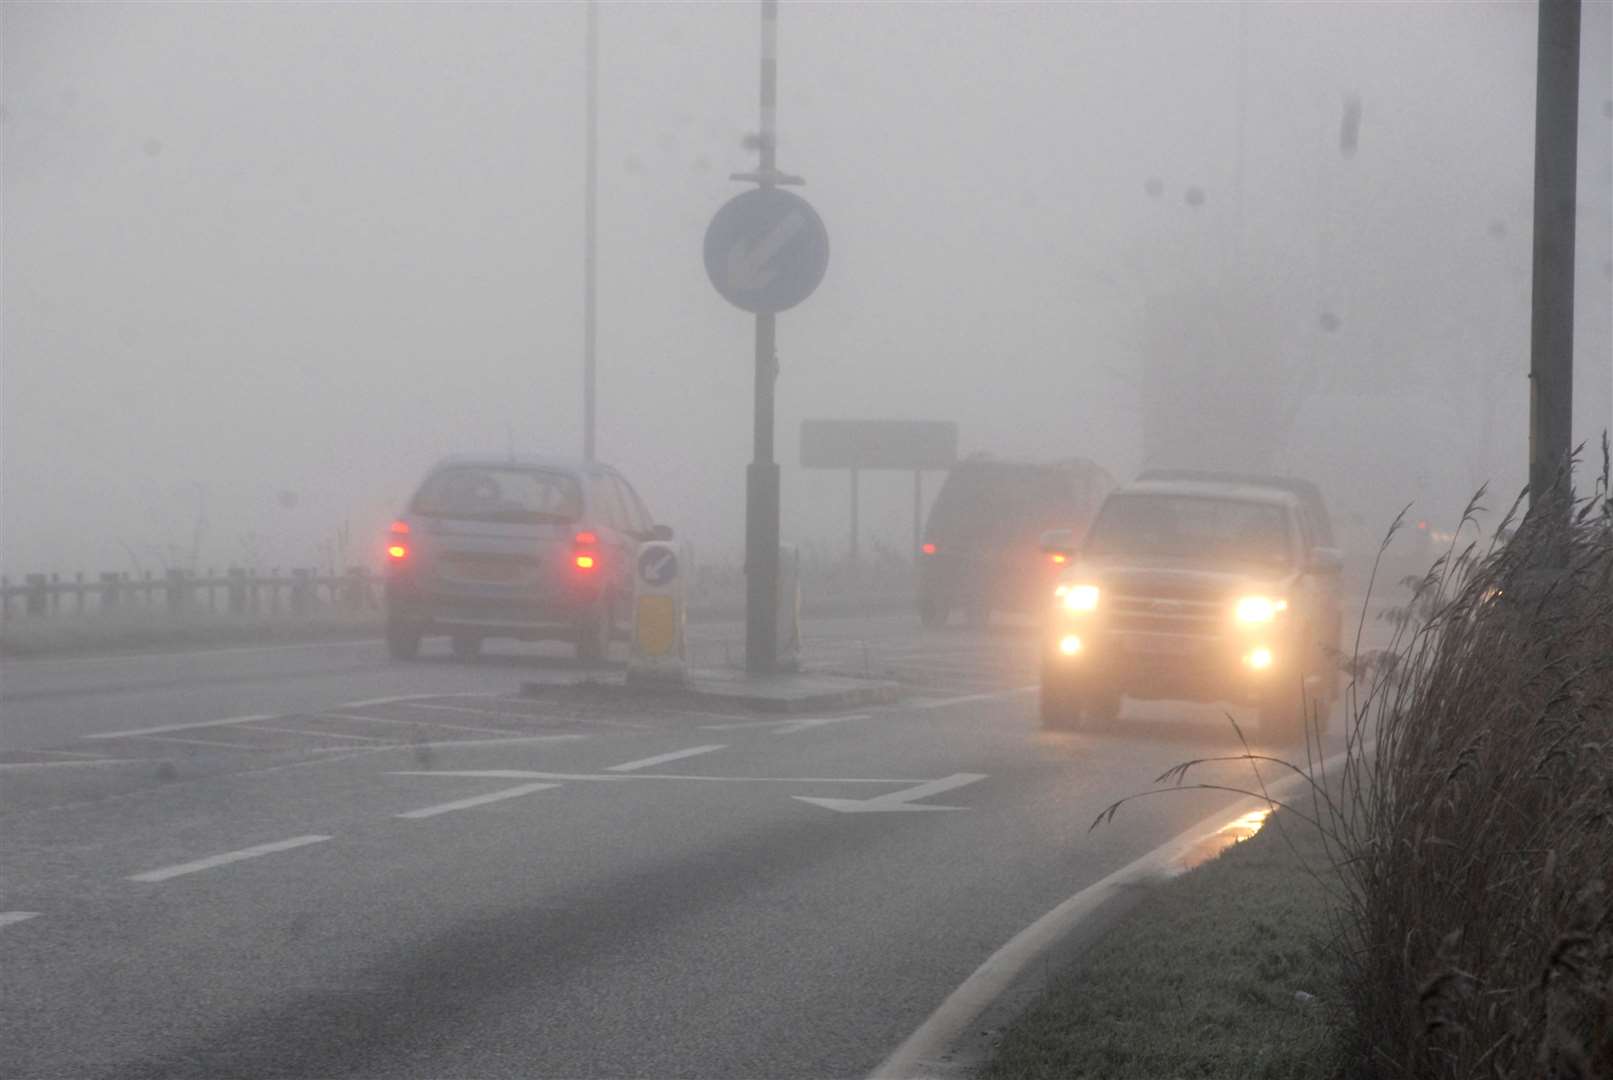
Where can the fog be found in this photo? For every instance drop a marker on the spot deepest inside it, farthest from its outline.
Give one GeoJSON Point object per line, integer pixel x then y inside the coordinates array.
{"type": "Point", "coordinates": [263, 264]}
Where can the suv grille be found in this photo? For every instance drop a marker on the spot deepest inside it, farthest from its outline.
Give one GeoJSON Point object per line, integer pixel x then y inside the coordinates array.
{"type": "Point", "coordinates": [1168, 611]}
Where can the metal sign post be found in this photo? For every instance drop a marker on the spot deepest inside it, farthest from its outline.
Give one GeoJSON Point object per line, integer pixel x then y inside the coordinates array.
{"type": "Point", "coordinates": [765, 251]}
{"type": "Point", "coordinates": [1551, 352]}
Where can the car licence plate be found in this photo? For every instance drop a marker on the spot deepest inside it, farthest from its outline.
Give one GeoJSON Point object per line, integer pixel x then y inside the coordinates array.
{"type": "Point", "coordinates": [486, 571]}
{"type": "Point", "coordinates": [1161, 645]}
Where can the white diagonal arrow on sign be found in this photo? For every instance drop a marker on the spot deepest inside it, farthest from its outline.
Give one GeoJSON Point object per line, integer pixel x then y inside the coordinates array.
{"type": "Point", "coordinates": [897, 801]}
{"type": "Point", "coordinates": [747, 264]}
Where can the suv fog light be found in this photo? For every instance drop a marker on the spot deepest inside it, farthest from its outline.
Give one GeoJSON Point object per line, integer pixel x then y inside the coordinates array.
{"type": "Point", "coordinates": [1259, 659]}
{"type": "Point", "coordinates": [1069, 644]}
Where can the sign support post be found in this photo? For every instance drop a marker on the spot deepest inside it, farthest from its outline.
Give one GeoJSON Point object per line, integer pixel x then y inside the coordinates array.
{"type": "Point", "coordinates": [762, 514]}
{"type": "Point", "coordinates": [766, 251]}
{"type": "Point", "coordinates": [762, 494]}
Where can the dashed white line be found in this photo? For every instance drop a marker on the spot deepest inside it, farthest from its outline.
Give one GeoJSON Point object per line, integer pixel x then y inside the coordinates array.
{"type": "Point", "coordinates": [439, 707]}
{"type": "Point", "coordinates": [479, 800]}
{"type": "Point", "coordinates": [7, 918]}
{"type": "Point", "coordinates": [217, 744]}
{"type": "Point", "coordinates": [420, 723]}
{"type": "Point", "coordinates": [513, 740]}
{"type": "Point", "coordinates": [163, 729]}
{"type": "Point", "coordinates": [403, 698]}
{"type": "Point", "coordinates": [817, 722]}
{"type": "Point", "coordinates": [9, 766]}
{"type": "Point", "coordinates": [660, 759]}
{"type": "Point", "coordinates": [318, 734]}
{"type": "Point", "coordinates": [228, 857]}
{"type": "Point", "coordinates": [969, 698]}
{"type": "Point", "coordinates": [527, 774]}
{"type": "Point", "coordinates": [742, 725]}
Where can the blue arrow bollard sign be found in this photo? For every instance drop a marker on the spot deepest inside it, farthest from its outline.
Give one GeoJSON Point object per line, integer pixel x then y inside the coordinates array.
{"type": "Point", "coordinates": [766, 250]}
{"type": "Point", "coordinates": [657, 566]}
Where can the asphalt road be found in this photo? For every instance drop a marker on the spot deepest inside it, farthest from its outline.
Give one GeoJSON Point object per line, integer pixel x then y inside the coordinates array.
{"type": "Point", "coordinates": [310, 861]}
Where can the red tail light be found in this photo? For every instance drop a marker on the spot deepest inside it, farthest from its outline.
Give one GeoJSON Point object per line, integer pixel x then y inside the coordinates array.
{"type": "Point", "coordinates": [586, 559]}
{"type": "Point", "coordinates": [397, 552]}
{"type": "Point", "coordinates": [400, 528]}
{"type": "Point", "coordinates": [928, 549]}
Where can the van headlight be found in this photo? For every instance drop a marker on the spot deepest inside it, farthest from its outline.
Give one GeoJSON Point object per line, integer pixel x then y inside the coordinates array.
{"type": "Point", "coordinates": [1080, 597]}
{"type": "Point", "coordinates": [1253, 610]}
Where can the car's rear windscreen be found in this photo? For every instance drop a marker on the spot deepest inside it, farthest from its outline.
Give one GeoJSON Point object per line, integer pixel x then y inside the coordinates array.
{"type": "Point", "coordinates": [1191, 527]}
{"type": "Point", "coordinates": [499, 493]}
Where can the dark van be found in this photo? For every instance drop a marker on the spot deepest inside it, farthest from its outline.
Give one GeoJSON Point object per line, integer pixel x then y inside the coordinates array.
{"type": "Point", "coordinates": [981, 551]}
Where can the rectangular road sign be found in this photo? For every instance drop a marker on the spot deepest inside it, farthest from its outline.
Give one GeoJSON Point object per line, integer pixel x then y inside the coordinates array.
{"type": "Point", "coordinates": [878, 444]}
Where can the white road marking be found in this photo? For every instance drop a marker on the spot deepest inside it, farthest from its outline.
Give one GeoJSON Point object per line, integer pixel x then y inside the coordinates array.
{"type": "Point", "coordinates": [318, 734]}
{"type": "Point", "coordinates": [742, 725]}
{"type": "Point", "coordinates": [401, 697]}
{"type": "Point", "coordinates": [525, 774]}
{"type": "Point", "coordinates": [817, 722]}
{"type": "Point", "coordinates": [479, 800]}
{"type": "Point", "coordinates": [436, 706]}
{"type": "Point", "coordinates": [7, 918]}
{"type": "Point", "coordinates": [12, 765]}
{"type": "Point", "coordinates": [418, 723]}
{"type": "Point", "coordinates": [215, 743]}
{"type": "Point", "coordinates": [514, 740]}
{"type": "Point", "coordinates": [970, 698]}
{"type": "Point", "coordinates": [897, 800]}
{"type": "Point", "coordinates": [163, 729]}
{"type": "Point", "coordinates": [228, 857]}
{"type": "Point", "coordinates": [661, 759]}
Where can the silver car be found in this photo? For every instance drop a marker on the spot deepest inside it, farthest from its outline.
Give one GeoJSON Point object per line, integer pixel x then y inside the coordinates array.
{"type": "Point", "coordinates": [531, 548]}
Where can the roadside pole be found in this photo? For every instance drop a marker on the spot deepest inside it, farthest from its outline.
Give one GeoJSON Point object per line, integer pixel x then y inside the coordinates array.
{"type": "Point", "coordinates": [590, 229]}
{"type": "Point", "coordinates": [766, 250]}
{"type": "Point", "coordinates": [762, 515]}
{"type": "Point", "coordinates": [762, 502]}
{"type": "Point", "coordinates": [1551, 335]}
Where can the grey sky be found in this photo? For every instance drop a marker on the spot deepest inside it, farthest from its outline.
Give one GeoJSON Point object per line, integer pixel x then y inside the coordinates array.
{"type": "Point", "coordinates": [255, 249]}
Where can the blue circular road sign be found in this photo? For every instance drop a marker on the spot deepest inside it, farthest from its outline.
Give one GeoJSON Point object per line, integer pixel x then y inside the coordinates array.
{"type": "Point", "coordinates": [766, 250]}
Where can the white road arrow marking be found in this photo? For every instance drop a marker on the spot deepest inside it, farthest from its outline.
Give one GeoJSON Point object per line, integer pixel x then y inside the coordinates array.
{"type": "Point", "coordinates": [747, 266]}
{"type": "Point", "coordinates": [898, 800]}
{"type": "Point", "coordinates": [816, 722]}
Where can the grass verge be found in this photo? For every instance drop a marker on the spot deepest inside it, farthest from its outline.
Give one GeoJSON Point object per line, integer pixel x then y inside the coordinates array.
{"type": "Point", "coordinates": [1200, 980]}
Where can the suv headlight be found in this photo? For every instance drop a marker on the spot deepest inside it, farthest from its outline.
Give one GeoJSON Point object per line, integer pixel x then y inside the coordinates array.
{"type": "Point", "coordinates": [1080, 597]}
{"type": "Point", "coordinates": [1259, 609]}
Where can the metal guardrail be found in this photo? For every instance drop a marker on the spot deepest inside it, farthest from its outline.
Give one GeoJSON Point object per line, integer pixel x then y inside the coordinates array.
{"type": "Point", "coordinates": [177, 592]}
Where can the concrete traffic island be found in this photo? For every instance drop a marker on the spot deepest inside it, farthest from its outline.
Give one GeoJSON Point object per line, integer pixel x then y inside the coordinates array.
{"type": "Point", "coordinates": [786, 693]}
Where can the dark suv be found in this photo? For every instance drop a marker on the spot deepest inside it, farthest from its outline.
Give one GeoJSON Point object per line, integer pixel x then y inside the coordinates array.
{"type": "Point", "coordinates": [531, 548]}
{"type": "Point", "coordinates": [981, 550]}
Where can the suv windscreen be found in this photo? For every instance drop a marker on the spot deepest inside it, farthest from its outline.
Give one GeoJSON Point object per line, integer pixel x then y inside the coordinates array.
{"type": "Point", "coordinates": [1192, 527]}
{"type": "Point", "coordinates": [482, 493]}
